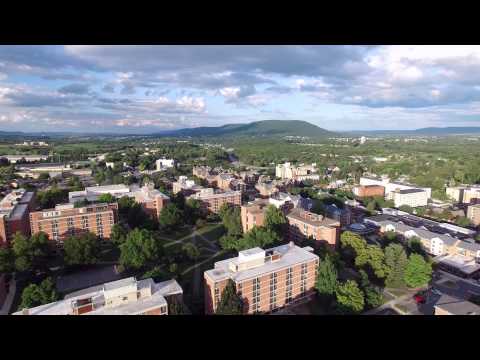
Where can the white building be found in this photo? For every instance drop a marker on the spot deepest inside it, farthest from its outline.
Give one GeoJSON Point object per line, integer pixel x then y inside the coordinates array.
{"type": "Point", "coordinates": [298, 173]}
{"type": "Point", "coordinates": [94, 192]}
{"type": "Point", "coordinates": [122, 297]}
{"type": "Point", "coordinates": [391, 187]}
{"type": "Point", "coordinates": [410, 197]}
{"type": "Point", "coordinates": [28, 158]}
{"type": "Point", "coordinates": [184, 184]}
{"type": "Point", "coordinates": [363, 140]}
{"type": "Point", "coordinates": [163, 164]}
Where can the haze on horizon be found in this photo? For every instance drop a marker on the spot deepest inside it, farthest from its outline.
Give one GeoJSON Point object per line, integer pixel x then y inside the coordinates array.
{"type": "Point", "coordinates": [143, 89]}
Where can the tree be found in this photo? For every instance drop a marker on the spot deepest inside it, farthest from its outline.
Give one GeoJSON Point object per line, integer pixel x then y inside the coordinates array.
{"type": "Point", "coordinates": [327, 282]}
{"type": "Point", "coordinates": [275, 220]}
{"type": "Point", "coordinates": [232, 220]}
{"type": "Point", "coordinates": [414, 245]}
{"type": "Point", "coordinates": [352, 245]}
{"type": "Point", "coordinates": [406, 208]}
{"type": "Point", "coordinates": [418, 272]}
{"type": "Point", "coordinates": [463, 221]}
{"type": "Point", "coordinates": [139, 250]}
{"type": "Point", "coordinates": [257, 237]}
{"type": "Point", "coordinates": [30, 254]}
{"type": "Point", "coordinates": [230, 302]}
{"type": "Point", "coordinates": [44, 176]}
{"type": "Point", "coordinates": [374, 257]}
{"type": "Point", "coordinates": [118, 234]}
{"type": "Point", "coordinates": [192, 211]}
{"type": "Point", "coordinates": [191, 250]}
{"type": "Point", "coordinates": [350, 299]}
{"type": "Point", "coordinates": [7, 260]}
{"type": "Point", "coordinates": [170, 216]}
{"type": "Point", "coordinates": [107, 198]}
{"type": "Point", "coordinates": [82, 249]}
{"type": "Point", "coordinates": [373, 294]}
{"type": "Point", "coordinates": [396, 260]}
{"type": "Point", "coordinates": [229, 242]}
{"type": "Point", "coordinates": [36, 295]}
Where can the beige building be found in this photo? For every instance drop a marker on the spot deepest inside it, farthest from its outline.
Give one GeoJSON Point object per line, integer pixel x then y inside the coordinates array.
{"type": "Point", "coordinates": [185, 186]}
{"type": "Point", "coordinates": [211, 200]}
{"type": "Point", "coordinates": [463, 194]}
{"type": "Point", "coordinates": [122, 297]}
{"type": "Point", "coordinates": [253, 214]}
{"type": "Point", "coordinates": [267, 280]}
{"type": "Point", "coordinates": [297, 173]}
{"type": "Point", "coordinates": [473, 213]}
{"type": "Point", "coordinates": [15, 208]}
{"type": "Point", "coordinates": [304, 224]}
{"type": "Point", "coordinates": [410, 197]}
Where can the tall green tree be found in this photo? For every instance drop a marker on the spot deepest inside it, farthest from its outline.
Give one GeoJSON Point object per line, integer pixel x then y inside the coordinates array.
{"type": "Point", "coordinates": [232, 221]}
{"type": "Point", "coordinates": [192, 211]}
{"type": "Point", "coordinates": [36, 295]}
{"type": "Point", "coordinates": [30, 254]}
{"type": "Point", "coordinates": [396, 260]}
{"type": "Point", "coordinates": [230, 302]}
{"type": "Point", "coordinates": [275, 220]}
{"type": "Point", "coordinates": [327, 279]}
{"type": "Point", "coordinates": [7, 260]}
{"type": "Point", "coordinates": [191, 250]}
{"type": "Point", "coordinates": [418, 272]}
{"type": "Point", "coordinates": [82, 249]}
{"type": "Point", "coordinates": [170, 217]}
{"type": "Point", "coordinates": [350, 299]}
{"type": "Point", "coordinates": [140, 249]}
{"type": "Point", "coordinates": [118, 234]}
{"type": "Point", "coordinates": [373, 257]}
{"type": "Point", "coordinates": [257, 237]}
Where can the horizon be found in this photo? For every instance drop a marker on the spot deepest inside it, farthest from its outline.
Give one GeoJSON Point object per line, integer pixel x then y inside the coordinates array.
{"type": "Point", "coordinates": [137, 90]}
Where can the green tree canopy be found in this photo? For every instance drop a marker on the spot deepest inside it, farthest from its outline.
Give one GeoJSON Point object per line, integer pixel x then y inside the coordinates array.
{"type": "Point", "coordinates": [191, 250]}
{"type": "Point", "coordinates": [406, 208]}
{"type": "Point", "coordinates": [170, 216]}
{"type": "Point", "coordinates": [36, 295]}
{"type": "Point", "coordinates": [107, 198]}
{"type": "Point", "coordinates": [30, 254]}
{"type": "Point", "coordinates": [192, 211]}
{"type": "Point", "coordinates": [230, 302]}
{"type": "Point", "coordinates": [139, 250]}
{"type": "Point", "coordinates": [327, 276]}
{"type": "Point", "coordinates": [231, 220]}
{"type": "Point", "coordinates": [118, 234]}
{"type": "Point", "coordinates": [257, 237]}
{"type": "Point", "coordinates": [350, 299]}
{"type": "Point", "coordinates": [396, 260]}
{"type": "Point", "coordinates": [275, 220]}
{"type": "Point", "coordinates": [82, 249]}
{"type": "Point", "coordinates": [418, 272]}
{"type": "Point", "coordinates": [7, 260]}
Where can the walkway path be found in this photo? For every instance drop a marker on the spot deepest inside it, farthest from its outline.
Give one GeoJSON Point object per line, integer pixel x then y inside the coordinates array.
{"type": "Point", "coordinates": [5, 310]}
{"type": "Point", "coordinates": [389, 304]}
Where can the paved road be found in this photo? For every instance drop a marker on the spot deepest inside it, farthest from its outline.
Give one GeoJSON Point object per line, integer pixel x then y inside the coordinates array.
{"type": "Point", "coordinates": [462, 288]}
{"type": "Point", "coordinates": [5, 310]}
{"type": "Point", "coordinates": [388, 305]}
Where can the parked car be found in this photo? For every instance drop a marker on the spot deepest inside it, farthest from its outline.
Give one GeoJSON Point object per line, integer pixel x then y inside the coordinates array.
{"type": "Point", "coordinates": [419, 298]}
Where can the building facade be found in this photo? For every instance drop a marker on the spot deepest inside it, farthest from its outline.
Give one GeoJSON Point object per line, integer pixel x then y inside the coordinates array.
{"type": "Point", "coordinates": [410, 197]}
{"type": "Point", "coordinates": [65, 220]}
{"type": "Point", "coordinates": [253, 214]}
{"type": "Point", "coordinates": [122, 297]}
{"type": "Point", "coordinates": [304, 224]}
{"type": "Point", "coordinates": [267, 280]}
{"type": "Point", "coordinates": [162, 164]}
{"type": "Point", "coordinates": [211, 201]}
{"type": "Point", "coordinates": [14, 214]}
{"type": "Point", "coordinates": [368, 190]}
{"type": "Point", "coordinates": [473, 213]}
{"type": "Point", "coordinates": [185, 186]}
{"type": "Point", "coordinates": [297, 173]}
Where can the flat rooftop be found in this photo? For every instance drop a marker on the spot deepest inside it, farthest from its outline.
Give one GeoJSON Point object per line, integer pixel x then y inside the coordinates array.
{"type": "Point", "coordinates": [304, 216]}
{"type": "Point", "coordinates": [411, 191]}
{"type": "Point", "coordinates": [465, 264]}
{"type": "Point", "coordinates": [289, 255]}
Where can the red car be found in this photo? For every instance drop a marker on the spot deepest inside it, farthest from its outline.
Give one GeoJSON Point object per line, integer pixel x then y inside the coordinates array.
{"type": "Point", "coordinates": [419, 298]}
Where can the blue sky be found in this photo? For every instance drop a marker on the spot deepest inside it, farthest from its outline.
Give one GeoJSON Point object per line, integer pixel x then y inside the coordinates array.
{"type": "Point", "coordinates": [143, 89]}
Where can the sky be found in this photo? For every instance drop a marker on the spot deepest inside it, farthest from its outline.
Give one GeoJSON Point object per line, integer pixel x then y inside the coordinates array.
{"type": "Point", "coordinates": [146, 89]}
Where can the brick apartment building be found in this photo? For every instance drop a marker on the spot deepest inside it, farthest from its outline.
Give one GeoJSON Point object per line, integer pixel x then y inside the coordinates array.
{"type": "Point", "coordinates": [368, 190]}
{"type": "Point", "coordinates": [14, 214]}
{"type": "Point", "coordinates": [473, 213]}
{"type": "Point", "coordinates": [122, 297]}
{"type": "Point", "coordinates": [303, 224]}
{"type": "Point", "coordinates": [152, 200]}
{"type": "Point", "coordinates": [267, 280]}
{"type": "Point", "coordinates": [211, 201]}
{"type": "Point", "coordinates": [65, 220]}
{"type": "Point", "coordinates": [253, 214]}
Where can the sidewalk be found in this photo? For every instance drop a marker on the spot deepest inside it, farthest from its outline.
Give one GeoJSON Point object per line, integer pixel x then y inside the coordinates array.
{"type": "Point", "coordinates": [5, 310]}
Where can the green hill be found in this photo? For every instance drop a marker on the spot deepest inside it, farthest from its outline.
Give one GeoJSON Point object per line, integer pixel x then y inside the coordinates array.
{"type": "Point", "coordinates": [266, 128]}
